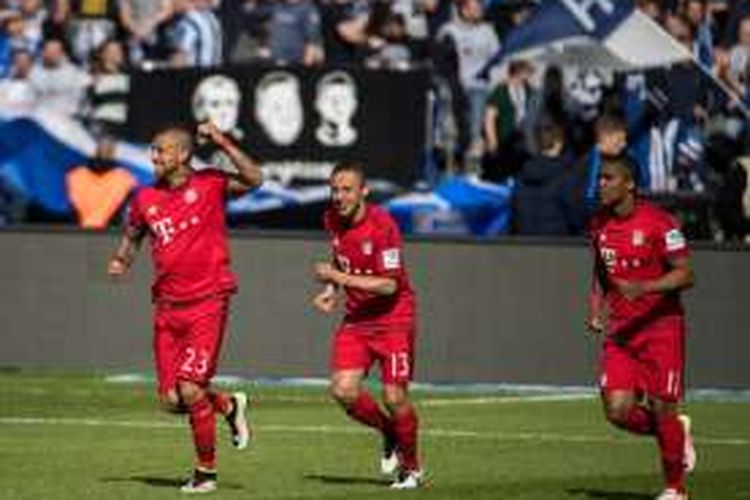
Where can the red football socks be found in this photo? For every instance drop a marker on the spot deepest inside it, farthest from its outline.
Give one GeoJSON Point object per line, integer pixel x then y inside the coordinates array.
{"type": "Point", "coordinates": [367, 411]}
{"type": "Point", "coordinates": [203, 427]}
{"type": "Point", "coordinates": [221, 402]}
{"type": "Point", "coordinates": [671, 437]}
{"type": "Point", "coordinates": [639, 420]}
{"type": "Point", "coordinates": [405, 425]}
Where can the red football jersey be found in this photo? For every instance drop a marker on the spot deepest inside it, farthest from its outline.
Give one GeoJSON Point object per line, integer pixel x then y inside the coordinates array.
{"type": "Point", "coordinates": [372, 247]}
{"type": "Point", "coordinates": [638, 248]}
{"type": "Point", "coordinates": [188, 236]}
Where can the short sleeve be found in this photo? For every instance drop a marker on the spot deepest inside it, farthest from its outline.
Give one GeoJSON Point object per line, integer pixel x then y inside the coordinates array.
{"type": "Point", "coordinates": [135, 220]}
{"type": "Point", "coordinates": [671, 241]}
{"type": "Point", "coordinates": [215, 179]}
{"type": "Point", "coordinates": [389, 249]}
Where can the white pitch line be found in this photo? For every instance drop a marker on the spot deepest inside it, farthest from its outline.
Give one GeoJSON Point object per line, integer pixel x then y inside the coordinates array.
{"type": "Point", "coordinates": [326, 429]}
{"type": "Point", "coordinates": [490, 400]}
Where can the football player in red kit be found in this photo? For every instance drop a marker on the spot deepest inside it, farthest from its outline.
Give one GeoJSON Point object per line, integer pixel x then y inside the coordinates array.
{"type": "Point", "coordinates": [379, 323]}
{"type": "Point", "coordinates": [642, 263]}
{"type": "Point", "coordinates": [183, 215]}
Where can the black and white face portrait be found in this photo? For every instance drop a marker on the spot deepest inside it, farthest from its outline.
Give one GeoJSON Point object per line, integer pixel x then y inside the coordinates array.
{"type": "Point", "coordinates": [336, 103]}
{"type": "Point", "coordinates": [278, 107]}
{"type": "Point", "coordinates": [217, 98]}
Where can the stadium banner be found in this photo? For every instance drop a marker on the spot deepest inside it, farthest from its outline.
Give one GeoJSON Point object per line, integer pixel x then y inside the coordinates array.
{"type": "Point", "coordinates": [298, 121]}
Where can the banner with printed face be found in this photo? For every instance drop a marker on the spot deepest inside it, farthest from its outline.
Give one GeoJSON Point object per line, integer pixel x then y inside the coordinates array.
{"type": "Point", "coordinates": [298, 121]}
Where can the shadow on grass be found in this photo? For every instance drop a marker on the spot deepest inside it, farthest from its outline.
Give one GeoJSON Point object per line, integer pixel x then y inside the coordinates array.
{"type": "Point", "coordinates": [164, 482]}
{"type": "Point", "coordinates": [331, 479]}
{"type": "Point", "coordinates": [607, 494]}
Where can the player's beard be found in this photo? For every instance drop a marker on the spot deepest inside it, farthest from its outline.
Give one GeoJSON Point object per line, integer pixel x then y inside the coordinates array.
{"type": "Point", "coordinates": [349, 212]}
{"type": "Point", "coordinates": [165, 170]}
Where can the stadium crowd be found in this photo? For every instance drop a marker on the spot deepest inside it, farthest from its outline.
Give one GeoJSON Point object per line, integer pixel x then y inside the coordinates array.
{"type": "Point", "coordinates": [532, 123]}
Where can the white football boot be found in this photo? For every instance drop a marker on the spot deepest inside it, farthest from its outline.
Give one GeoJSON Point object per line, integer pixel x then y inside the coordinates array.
{"type": "Point", "coordinates": [408, 480]}
{"type": "Point", "coordinates": [689, 456]}
{"type": "Point", "coordinates": [672, 494]}
{"type": "Point", "coordinates": [389, 461]}
{"type": "Point", "coordinates": [237, 421]}
{"type": "Point", "coordinates": [200, 482]}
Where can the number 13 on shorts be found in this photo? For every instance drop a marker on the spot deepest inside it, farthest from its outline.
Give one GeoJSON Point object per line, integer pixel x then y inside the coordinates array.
{"type": "Point", "coordinates": [399, 366]}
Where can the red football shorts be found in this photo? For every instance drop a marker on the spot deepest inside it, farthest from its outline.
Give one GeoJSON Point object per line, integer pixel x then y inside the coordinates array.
{"type": "Point", "coordinates": [187, 341]}
{"type": "Point", "coordinates": [652, 361]}
{"type": "Point", "coordinates": [357, 348]}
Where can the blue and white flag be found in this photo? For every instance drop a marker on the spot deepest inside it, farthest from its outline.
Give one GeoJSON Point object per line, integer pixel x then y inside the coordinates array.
{"type": "Point", "coordinates": [37, 149]}
{"type": "Point", "coordinates": [607, 34]}
{"type": "Point", "coordinates": [457, 206]}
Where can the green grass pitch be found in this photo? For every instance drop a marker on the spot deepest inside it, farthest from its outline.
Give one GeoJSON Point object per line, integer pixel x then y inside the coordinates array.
{"type": "Point", "coordinates": [66, 436]}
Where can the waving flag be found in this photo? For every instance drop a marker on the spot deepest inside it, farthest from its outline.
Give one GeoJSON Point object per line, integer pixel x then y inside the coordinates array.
{"type": "Point", "coordinates": [609, 34]}
{"type": "Point", "coordinates": [39, 148]}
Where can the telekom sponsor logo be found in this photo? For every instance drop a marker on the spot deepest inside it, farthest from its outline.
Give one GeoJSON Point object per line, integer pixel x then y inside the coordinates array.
{"type": "Point", "coordinates": [164, 230]}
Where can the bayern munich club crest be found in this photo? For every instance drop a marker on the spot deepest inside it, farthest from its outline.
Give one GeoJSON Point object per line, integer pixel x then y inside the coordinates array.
{"type": "Point", "coordinates": [638, 238]}
{"type": "Point", "coordinates": [190, 196]}
{"type": "Point", "coordinates": [367, 247]}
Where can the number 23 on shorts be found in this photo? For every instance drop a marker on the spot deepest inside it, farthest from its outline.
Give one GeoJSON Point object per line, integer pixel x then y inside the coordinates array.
{"type": "Point", "coordinates": [194, 362]}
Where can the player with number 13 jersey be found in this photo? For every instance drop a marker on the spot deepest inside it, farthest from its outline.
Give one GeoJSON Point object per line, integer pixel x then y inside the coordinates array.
{"type": "Point", "coordinates": [379, 324]}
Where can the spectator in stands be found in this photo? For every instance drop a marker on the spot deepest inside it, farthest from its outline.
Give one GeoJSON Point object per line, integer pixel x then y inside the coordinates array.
{"type": "Point", "coordinates": [35, 17]}
{"type": "Point", "coordinates": [506, 117]}
{"type": "Point", "coordinates": [345, 29]}
{"type": "Point", "coordinates": [415, 14]}
{"type": "Point", "coordinates": [107, 109]}
{"type": "Point", "coordinates": [245, 25]}
{"type": "Point", "coordinates": [506, 15]}
{"type": "Point", "coordinates": [550, 106]}
{"type": "Point", "coordinates": [697, 12]}
{"type": "Point", "coordinates": [474, 41]}
{"type": "Point", "coordinates": [195, 38]}
{"type": "Point", "coordinates": [738, 9]}
{"type": "Point", "coordinates": [142, 21]}
{"type": "Point", "coordinates": [16, 92]}
{"type": "Point", "coordinates": [687, 93]}
{"type": "Point", "coordinates": [88, 25]}
{"type": "Point", "coordinates": [294, 32]}
{"type": "Point", "coordinates": [683, 97]}
{"type": "Point", "coordinates": [543, 201]}
{"type": "Point", "coordinates": [739, 58]}
{"type": "Point", "coordinates": [12, 39]}
{"type": "Point", "coordinates": [418, 17]}
{"type": "Point", "coordinates": [392, 52]}
{"type": "Point", "coordinates": [59, 84]}
{"type": "Point", "coordinates": [652, 8]}
{"type": "Point", "coordinates": [611, 136]}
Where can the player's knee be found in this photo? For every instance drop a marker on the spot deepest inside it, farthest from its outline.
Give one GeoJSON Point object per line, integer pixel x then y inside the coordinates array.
{"type": "Point", "coordinates": [189, 392]}
{"type": "Point", "coordinates": [170, 402]}
{"type": "Point", "coordinates": [616, 412]}
{"type": "Point", "coordinates": [662, 408]}
{"type": "Point", "coordinates": [395, 400]}
{"type": "Point", "coordinates": [346, 394]}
